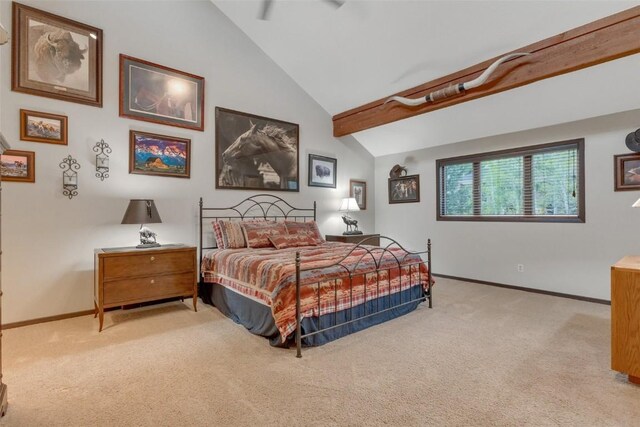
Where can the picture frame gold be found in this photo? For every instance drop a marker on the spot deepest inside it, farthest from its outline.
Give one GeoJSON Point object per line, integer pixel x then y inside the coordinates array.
{"type": "Point", "coordinates": [36, 126]}
{"type": "Point", "coordinates": [18, 166]}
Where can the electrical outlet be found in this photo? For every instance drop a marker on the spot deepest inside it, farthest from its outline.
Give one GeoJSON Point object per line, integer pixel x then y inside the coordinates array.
{"type": "Point", "coordinates": [520, 268]}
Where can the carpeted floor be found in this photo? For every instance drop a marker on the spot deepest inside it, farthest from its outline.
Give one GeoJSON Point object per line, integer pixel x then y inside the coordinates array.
{"type": "Point", "coordinates": [481, 356]}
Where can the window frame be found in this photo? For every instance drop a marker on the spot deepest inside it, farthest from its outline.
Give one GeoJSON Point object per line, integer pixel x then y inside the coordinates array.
{"type": "Point", "coordinates": [527, 172]}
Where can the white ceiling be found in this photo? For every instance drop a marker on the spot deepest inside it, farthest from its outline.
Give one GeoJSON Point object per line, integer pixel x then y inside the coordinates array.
{"type": "Point", "coordinates": [368, 49]}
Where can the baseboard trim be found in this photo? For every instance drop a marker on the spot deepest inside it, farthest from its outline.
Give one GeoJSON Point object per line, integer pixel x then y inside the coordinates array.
{"type": "Point", "coordinates": [532, 290]}
{"type": "Point", "coordinates": [46, 319]}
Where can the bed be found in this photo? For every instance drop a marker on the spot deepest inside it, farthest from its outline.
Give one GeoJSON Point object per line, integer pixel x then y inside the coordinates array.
{"type": "Point", "coordinates": [306, 294]}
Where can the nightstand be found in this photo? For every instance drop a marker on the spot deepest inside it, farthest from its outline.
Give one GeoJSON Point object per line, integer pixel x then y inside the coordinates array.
{"type": "Point", "coordinates": [354, 238]}
{"type": "Point", "coordinates": [130, 275]}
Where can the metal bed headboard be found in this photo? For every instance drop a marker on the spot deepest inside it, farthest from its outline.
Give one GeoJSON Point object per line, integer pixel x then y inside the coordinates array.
{"type": "Point", "coordinates": [259, 206]}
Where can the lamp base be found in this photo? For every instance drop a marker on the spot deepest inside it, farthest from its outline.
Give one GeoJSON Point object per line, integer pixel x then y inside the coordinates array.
{"type": "Point", "coordinates": [351, 233]}
{"type": "Point", "coordinates": [148, 245]}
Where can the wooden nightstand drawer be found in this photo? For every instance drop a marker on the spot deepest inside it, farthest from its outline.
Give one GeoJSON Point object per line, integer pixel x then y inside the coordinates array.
{"type": "Point", "coordinates": [148, 288]}
{"type": "Point", "coordinates": [371, 239]}
{"type": "Point", "coordinates": [148, 263]}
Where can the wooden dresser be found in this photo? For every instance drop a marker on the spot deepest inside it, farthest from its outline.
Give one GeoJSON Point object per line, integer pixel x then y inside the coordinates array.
{"type": "Point", "coordinates": [129, 275]}
{"type": "Point", "coordinates": [625, 317]}
{"type": "Point", "coordinates": [3, 387]}
{"type": "Point", "coordinates": [354, 238]}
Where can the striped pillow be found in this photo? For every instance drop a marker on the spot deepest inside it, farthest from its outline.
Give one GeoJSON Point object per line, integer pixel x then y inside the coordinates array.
{"type": "Point", "coordinates": [284, 241]}
{"type": "Point", "coordinates": [257, 234]}
{"type": "Point", "coordinates": [309, 228]}
{"type": "Point", "coordinates": [217, 231]}
{"type": "Point", "coordinates": [229, 234]}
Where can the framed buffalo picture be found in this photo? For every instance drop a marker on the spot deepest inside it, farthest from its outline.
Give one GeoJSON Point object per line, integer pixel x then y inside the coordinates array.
{"type": "Point", "coordinates": [322, 171]}
{"type": "Point", "coordinates": [255, 152]}
{"type": "Point", "coordinates": [627, 172]}
{"type": "Point", "coordinates": [56, 57]}
{"type": "Point", "coordinates": [358, 190]}
{"type": "Point", "coordinates": [153, 154]}
{"type": "Point", "coordinates": [18, 166]}
{"type": "Point", "coordinates": [43, 127]}
{"type": "Point", "coordinates": [158, 94]}
{"type": "Point", "coordinates": [405, 189]}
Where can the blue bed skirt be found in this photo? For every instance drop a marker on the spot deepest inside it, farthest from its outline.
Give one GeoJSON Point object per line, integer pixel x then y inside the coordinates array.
{"type": "Point", "coordinates": [257, 318]}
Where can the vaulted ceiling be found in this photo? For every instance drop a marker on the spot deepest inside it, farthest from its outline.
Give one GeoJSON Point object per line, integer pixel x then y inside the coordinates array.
{"type": "Point", "coordinates": [367, 49]}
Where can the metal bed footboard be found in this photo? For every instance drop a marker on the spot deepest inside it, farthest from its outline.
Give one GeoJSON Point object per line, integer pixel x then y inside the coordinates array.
{"type": "Point", "coordinates": [375, 254]}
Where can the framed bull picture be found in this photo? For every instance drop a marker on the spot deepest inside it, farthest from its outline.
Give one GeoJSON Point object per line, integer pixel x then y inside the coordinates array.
{"type": "Point", "coordinates": [405, 189]}
{"type": "Point", "coordinates": [322, 171]}
{"type": "Point", "coordinates": [255, 152]}
{"type": "Point", "coordinates": [56, 57]}
{"type": "Point", "coordinates": [154, 93]}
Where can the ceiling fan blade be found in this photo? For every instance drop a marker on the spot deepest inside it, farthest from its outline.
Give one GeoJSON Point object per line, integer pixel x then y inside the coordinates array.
{"type": "Point", "coordinates": [336, 3]}
{"type": "Point", "coordinates": [266, 7]}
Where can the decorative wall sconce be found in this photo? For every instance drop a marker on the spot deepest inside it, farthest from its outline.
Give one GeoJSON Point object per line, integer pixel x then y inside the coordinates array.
{"type": "Point", "coordinates": [69, 167]}
{"type": "Point", "coordinates": [102, 159]}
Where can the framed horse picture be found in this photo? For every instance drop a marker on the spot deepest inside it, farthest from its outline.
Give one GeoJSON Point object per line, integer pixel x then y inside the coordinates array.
{"type": "Point", "coordinates": [153, 93]}
{"type": "Point", "coordinates": [405, 189]}
{"type": "Point", "coordinates": [255, 152]}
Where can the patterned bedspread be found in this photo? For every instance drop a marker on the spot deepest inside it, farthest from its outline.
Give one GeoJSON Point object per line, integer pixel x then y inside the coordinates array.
{"type": "Point", "coordinates": [268, 276]}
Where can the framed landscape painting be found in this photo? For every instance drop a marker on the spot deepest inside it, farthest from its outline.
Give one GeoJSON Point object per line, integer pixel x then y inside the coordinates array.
{"type": "Point", "coordinates": [153, 93]}
{"type": "Point", "coordinates": [152, 154]}
{"type": "Point", "coordinates": [322, 171]}
{"type": "Point", "coordinates": [43, 127]}
{"type": "Point", "coordinates": [18, 166]}
{"type": "Point", "coordinates": [56, 57]}
{"type": "Point", "coordinates": [255, 152]}
{"type": "Point", "coordinates": [358, 190]}
{"type": "Point", "coordinates": [627, 172]}
{"type": "Point", "coordinates": [405, 189]}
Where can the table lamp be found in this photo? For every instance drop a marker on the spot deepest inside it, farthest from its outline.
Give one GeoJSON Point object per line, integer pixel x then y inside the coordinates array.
{"type": "Point", "coordinates": [349, 204]}
{"type": "Point", "coordinates": [143, 211]}
{"type": "Point", "coordinates": [636, 204]}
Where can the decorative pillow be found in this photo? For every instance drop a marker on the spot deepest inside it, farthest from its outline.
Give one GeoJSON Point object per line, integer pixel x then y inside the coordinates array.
{"type": "Point", "coordinates": [309, 228]}
{"type": "Point", "coordinates": [217, 231]}
{"type": "Point", "coordinates": [285, 241]}
{"type": "Point", "coordinates": [257, 234]}
{"type": "Point", "coordinates": [230, 234]}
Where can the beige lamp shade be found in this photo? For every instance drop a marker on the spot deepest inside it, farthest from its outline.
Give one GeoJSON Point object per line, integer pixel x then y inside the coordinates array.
{"type": "Point", "coordinates": [141, 211]}
{"type": "Point", "coordinates": [636, 204]}
{"type": "Point", "coordinates": [349, 204]}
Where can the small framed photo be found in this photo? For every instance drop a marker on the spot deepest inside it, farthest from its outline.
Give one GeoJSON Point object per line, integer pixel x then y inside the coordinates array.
{"type": "Point", "coordinates": [18, 166]}
{"type": "Point", "coordinates": [405, 189]}
{"type": "Point", "coordinates": [627, 172]}
{"type": "Point", "coordinates": [43, 127]}
{"type": "Point", "coordinates": [322, 171]}
{"type": "Point", "coordinates": [56, 57]}
{"type": "Point", "coordinates": [358, 190]}
{"type": "Point", "coordinates": [158, 94]}
{"type": "Point", "coordinates": [152, 154]}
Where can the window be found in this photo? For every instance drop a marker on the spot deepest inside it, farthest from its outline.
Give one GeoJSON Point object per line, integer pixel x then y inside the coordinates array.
{"type": "Point", "coordinates": [539, 183]}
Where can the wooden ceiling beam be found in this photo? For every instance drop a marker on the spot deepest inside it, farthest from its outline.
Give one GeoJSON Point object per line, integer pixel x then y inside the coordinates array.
{"type": "Point", "coordinates": [600, 41]}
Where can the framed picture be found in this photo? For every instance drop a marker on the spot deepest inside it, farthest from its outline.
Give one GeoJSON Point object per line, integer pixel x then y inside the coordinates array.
{"type": "Point", "coordinates": [322, 171]}
{"type": "Point", "coordinates": [43, 127]}
{"type": "Point", "coordinates": [158, 94]}
{"type": "Point", "coordinates": [405, 189]}
{"type": "Point", "coordinates": [152, 154]}
{"type": "Point", "coordinates": [626, 170]}
{"type": "Point", "coordinates": [256, 153]}
{"type": "Point", "coordinates": [56, 57]}
{"type": "Point", "coordinates": [358, 190]}
{"type": "Point", "coordinates": [18, 166]}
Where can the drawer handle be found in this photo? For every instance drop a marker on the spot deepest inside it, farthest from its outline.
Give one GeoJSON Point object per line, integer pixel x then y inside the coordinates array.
{"type": "Point", "coordinates": [153, 258]}
{"type": "Point", "coordinates": [153, 281]}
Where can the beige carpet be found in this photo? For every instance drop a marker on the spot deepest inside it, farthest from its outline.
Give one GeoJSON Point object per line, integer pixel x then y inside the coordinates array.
{"type": "Point", "coordinates": [482, 356]}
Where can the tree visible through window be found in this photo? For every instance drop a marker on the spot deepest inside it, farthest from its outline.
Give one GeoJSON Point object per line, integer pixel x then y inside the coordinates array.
{"type": "Point", "coordinates": [540, 183]}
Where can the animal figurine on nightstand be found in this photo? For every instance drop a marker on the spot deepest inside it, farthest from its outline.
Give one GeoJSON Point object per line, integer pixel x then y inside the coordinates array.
{"type": "Point", "coordinates": [352, 225]}
{"type": "Point", "coordinates": [397, 171]}
{"type": "Point", "coordinates": [148, 238]}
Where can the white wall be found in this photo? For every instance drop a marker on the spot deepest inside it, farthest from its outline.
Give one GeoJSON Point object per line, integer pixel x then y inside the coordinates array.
{"type": "Point", "coordinates": [48, 240]}
{"type": "Point", "coordinates": [567, 258]}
